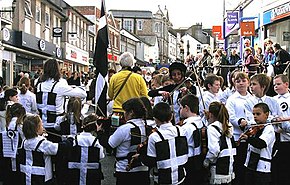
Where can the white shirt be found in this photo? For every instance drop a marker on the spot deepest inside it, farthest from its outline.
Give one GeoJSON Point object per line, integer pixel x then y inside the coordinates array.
{"type": "Point", "coordinates": [121, 140]}
{"type": "Point", "coordinates": [86, 139]}
{"type": "Point", "coordinates": [189, 129]}
{"type": "Point", "coordinates": [62, 89]}
{"type": "Point", "coordinates": [284, 102]}
{"type": "Point", "coordinates": [28, 101]}
{"type": "Point", "coordinates": [275, 109]}
{"type": "Point", "coordinates": [48, 148]}
{"type": "Point", "coordinates": [268, 135]}
{"type": "Point", "coordinates": [208, 98]}
{"type": "Point", "coordinates": [236, 109]}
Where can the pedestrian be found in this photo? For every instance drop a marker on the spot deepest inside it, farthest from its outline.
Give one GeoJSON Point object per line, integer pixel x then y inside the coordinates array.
{"type": "Point", "coordinates": [261, 141]}
{"type": "Point", "coordinates": [221, 146]}
{"type": "Point", "coordinates": [84, 157]}
{"type": "Point", "coordinates": [282, 57]}
{"type": "Point", "coordinates": [71, 122]}
{"type": "Point", "coordinates": [75, 79]}
{"type": "Point", "coordinates": [50, 96]}
{"type": "Point", "coordinates": [26, 97]}
{"type": "Point", "coordinates": [259, 85]}
{"type": "Point", "coordinates": [192, 125]}
{"type": "Point", "coordinates": [250, 62]}
{"type": "Point", "coordinates": [281, 161]}
{"type": "Point", "coordinates": [10, 97]}
{"type": "Point", "coordinates": [236, 109]}
{"type": "Point", "coordinates": [11, 140]}
{"type": "Point", "coordinates": [35, 153]}
{"type": "Point", "coordinates": [170, 93]}
{"type": "Point", "coordinates": [212, 86]}
{"type": "Point", "coordinates": [167, 148]}
{"type": "Point", "coordinates": [125, 141]}
{"type": "Point", "coordinates": [125, 85]}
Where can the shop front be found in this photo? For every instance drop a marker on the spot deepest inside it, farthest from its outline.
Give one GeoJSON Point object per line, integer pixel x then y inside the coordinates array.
{"type": "Point", "coordinates": [276, 24]}
{"type": "Point", "coordinates": [75, 59]}
{"type": "Point", "coordinates": [24, 52]}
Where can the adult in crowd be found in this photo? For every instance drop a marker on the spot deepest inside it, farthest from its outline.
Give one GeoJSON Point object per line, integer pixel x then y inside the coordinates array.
{"type": "Point", "coordinates": [125, 85]}
{"type": "Point", "coordinates": [250, 62]}
{"type": "Point", "coordinates": [51, 93]}
{"type": "Point", "coordinates": [170, 92]}
{"type": "Point", "coordinates": [234, 58]}
{"type": "Point", "coordinates": [281, 59]}
{"type": "Point", "coordinates": [74, 79]}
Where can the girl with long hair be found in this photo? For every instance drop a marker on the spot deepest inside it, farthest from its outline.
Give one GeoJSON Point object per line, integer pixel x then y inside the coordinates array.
{"type": "Point", "coordinates": [221, 147]}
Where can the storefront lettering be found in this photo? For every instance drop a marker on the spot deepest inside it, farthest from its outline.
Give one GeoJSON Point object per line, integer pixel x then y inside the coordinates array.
{"type": "Point", "coordinates": [283, 9]}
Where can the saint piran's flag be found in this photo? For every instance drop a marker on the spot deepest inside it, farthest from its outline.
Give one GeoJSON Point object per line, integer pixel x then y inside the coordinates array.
{"type": "Point", "coordinates": [101, 64]}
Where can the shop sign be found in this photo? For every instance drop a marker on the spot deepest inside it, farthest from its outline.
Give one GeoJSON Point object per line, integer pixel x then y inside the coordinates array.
{"type": "Point", "coordinates": [41, 45]}
{"type": "Point", "coordinates": [217, 31]}
{"type": "Point", "coordinates": [232, 17]}
{"type": "Point", "coordinates": [230, 27]}
{"type": "Point", "coordinates": [58, 52]}
{"type": "Point", "coordinates": [6, 34]}
{"type": "Point", "coordinates": [57, 32]}
{"type": "Point", "coordinates": [280, 12]}
{"type": "Point", "coordinates": [248, 28]}
{"type": "Point", "coordinates": [76, 54]}
{"type": "Point", "coordinates": [286, 36]}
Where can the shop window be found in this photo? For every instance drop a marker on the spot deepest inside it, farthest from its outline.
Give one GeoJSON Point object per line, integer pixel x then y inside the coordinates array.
{"type": "Point", "coordinates": [27, 8]}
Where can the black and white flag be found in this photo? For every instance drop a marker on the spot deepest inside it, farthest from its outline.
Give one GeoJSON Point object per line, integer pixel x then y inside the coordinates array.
{"type": "Point", "coordinates": [101, 64]}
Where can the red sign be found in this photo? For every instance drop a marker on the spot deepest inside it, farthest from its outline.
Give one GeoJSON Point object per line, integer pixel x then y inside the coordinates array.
{"type": "Point", "coordinates": [217, 31]}
{"type": "Point", "coordinates": [110, 57]}
{"type": "Point", "coordinates": [248, 28]}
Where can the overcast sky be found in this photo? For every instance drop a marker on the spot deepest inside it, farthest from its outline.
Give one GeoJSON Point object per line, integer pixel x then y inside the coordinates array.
{"type": "Point", "coordinates": [182, 13]}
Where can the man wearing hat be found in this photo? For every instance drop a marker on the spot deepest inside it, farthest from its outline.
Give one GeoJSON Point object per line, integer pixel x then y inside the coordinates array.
{"type": "Point", "coordinates": [177, 72]}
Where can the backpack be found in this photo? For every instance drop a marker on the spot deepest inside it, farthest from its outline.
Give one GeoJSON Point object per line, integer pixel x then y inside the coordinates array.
{"type": "Point", "coordinates": [200, 138]}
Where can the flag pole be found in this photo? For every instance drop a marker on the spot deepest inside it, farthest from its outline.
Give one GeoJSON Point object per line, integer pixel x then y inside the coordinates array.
{"type": "Point", "coordinates": [110, 43]}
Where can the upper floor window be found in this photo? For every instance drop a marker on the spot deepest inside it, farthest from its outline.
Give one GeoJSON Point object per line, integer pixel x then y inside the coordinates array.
{"type": "Point", "coordinates": [157, 27]}
{"type": "Point", "coordinates": [47, 19]}
{"type": "Point", "coordinates": [140, 25]}
{"type": "Point", "coordinates": [38, 14]}
{"type": "Point", "coordinates": [27, 8]}
{"type": "Point", "coordinates": [198, 46]}
{"type": "Point", "coordinates": [128, 25]}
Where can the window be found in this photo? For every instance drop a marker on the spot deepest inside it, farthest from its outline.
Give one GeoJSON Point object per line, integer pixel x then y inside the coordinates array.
{"type": "Point", "coordinates": [157, 27]}
{"type": "Point", "coordinates": [27, 9]}
{"type": "Point", "coordinates": [128, 25]}
{"type": "Point", "coordinates": [198, 46]}
{"type": "Point", "coordinates": [140, 25]}
{"type": "Point", "coordinates": [38, 14]}
{"type": "Point", "coordinates": [47, 19]}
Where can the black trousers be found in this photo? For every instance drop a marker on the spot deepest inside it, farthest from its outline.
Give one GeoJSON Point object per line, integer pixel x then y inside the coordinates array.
{"type": "Point", "coordinates": [132, 178]}
{"type": "Point", "coordinates": [257, 178]}
{"type": "Point", "coordinates": [239, 162]}
{"type": "Point", "coordinates": [280, 164]}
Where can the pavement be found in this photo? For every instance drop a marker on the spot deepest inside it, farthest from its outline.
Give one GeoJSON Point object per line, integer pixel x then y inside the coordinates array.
{"type": "Point", "coordinates": [108, 170]}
